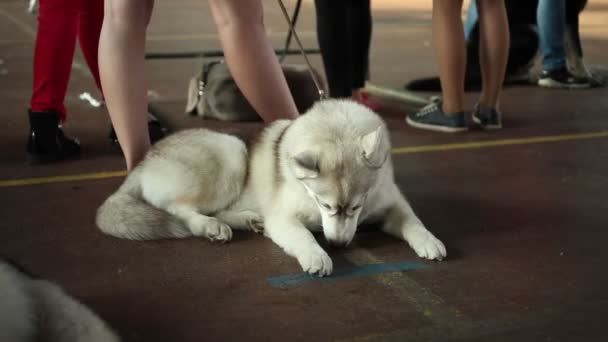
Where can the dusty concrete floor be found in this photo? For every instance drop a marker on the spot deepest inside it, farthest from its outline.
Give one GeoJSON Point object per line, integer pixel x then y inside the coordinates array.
{"type": "Point", "coordinates": [524, 220]}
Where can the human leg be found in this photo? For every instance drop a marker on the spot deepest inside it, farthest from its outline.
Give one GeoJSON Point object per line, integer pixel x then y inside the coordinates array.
{"type": "Point", "coordinates": [122, 73]}
{"type": "Point", "coordinates": [251, 58]}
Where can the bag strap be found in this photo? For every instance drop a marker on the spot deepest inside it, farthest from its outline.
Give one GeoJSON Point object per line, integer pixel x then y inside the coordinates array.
{"type": "Point", "coordinates": [202, 81]}
{"type": "Point", "coordinates": [322, 94]}
{"type": "Point", "coordinates": [206, 69]}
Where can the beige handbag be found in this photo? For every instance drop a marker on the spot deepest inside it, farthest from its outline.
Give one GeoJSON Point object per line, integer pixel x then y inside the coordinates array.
{"type": "Point", "coordinates": [213, 93]}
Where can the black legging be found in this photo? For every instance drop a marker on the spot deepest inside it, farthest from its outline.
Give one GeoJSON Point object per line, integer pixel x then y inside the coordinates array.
{"type": "Point", "coordinates": [344, 30]}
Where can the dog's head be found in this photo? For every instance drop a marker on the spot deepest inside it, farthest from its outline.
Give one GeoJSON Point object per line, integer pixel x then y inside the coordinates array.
{"type": "Point", "coordinates": [338, 164]}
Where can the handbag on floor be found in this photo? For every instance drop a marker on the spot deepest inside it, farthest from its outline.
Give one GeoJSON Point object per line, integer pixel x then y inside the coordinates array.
{"type": "Point", "coordinates": [213, 93]}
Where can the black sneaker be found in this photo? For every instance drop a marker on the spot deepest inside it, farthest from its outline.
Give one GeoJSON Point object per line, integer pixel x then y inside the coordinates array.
{"type": "Point", "coordinates": [562, 78]}
{"type": "Point", "coordinates": [47, 142]}
{"type": "Point", "coordinates": [433, 118]}
{"type": "Point", "coordinates": [487, 119]}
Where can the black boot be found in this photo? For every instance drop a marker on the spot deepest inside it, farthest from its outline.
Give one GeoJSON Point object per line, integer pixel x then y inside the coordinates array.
{"type": "Point", "coordinates": [46, 142]}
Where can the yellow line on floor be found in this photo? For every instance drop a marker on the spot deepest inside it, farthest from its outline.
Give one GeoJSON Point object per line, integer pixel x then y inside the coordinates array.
{"type": "Point", "coordinates": [60, 179]}
{"type": "Point", "coordinates": [397, 150]}
{"type": "Point", "coordinates": [501, 142]}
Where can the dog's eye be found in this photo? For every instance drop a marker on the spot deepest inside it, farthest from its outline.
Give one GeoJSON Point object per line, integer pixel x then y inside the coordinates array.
{"type": "Point", "coordinates": [326, 206]}
{"type": "Point", "coordinates": [355, 208]}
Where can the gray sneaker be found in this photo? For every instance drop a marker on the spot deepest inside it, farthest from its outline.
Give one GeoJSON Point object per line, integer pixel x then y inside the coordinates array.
{"type": "Point", "coordinates": [433, 118]}
{"type": "Point", "coordinates": [487, 119]}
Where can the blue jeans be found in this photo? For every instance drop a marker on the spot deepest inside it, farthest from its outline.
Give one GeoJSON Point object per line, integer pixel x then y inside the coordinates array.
{"type": "Point", "coordinates": [551, 20]}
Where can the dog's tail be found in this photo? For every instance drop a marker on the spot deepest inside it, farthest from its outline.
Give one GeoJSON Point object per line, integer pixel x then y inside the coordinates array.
{"type": "Point", "coordinates": [126, 215]}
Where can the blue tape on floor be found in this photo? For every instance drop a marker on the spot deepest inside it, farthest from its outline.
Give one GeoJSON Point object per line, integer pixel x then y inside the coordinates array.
{"type": "Point", "coordinates": [353, 272]}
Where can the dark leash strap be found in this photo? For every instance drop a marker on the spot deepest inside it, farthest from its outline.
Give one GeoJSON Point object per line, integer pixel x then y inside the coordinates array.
{"type": "Point", "coordinates": [292, 30]}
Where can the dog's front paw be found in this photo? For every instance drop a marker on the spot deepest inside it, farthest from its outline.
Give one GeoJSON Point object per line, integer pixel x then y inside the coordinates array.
{"type": "Point", "coordinates": [426, 245]}
{"type": "Point", "coordinates": [316, 261]}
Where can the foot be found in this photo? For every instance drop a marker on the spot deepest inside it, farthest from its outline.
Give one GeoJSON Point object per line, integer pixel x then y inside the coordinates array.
{"type": "Point", "coordinates": [425, 244]}
{"type": "Point", "coordinates": [562, 78]}
{"type": "Point", "coordinates": [211, 228]}
{"type": "Point", "coordinates": [257, 226]}
{"type": "Point", "coordinates": [315, 261]}
{"type": "Point", "coordinates": [487, 119]}
{"type": "Point", "coordinates": [432, 117]}
{"type": "Point", "coordinates": [47, 142]}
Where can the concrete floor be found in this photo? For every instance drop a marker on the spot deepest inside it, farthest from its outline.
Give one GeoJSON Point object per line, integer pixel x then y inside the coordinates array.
{"type": "Point", "coordinates": [522, 211]}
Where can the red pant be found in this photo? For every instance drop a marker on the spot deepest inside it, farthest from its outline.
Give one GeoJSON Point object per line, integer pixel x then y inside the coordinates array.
{"type": "Point", "coordinates": [59, 23]}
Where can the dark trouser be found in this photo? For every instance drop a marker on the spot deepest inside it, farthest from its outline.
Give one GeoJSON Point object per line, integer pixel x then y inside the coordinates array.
{"type": "Point", "coordinates": [344, 29]}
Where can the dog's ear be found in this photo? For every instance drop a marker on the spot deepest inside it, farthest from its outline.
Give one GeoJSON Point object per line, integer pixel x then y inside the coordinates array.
{"type": "Point", "coordinates": [305, 165]}
{"type": "Point", "coordinates": [375, 151]}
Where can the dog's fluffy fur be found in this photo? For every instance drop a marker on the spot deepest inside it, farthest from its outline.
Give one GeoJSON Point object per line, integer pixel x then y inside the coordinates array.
{"type": "Point", "coordinates": [38, 310]}
{"type": "Point", "coordinates": [328, 170]}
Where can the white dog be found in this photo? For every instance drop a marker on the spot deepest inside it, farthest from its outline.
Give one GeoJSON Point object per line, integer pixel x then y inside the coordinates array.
{"type": "Point", "coordinates": [328, 170]}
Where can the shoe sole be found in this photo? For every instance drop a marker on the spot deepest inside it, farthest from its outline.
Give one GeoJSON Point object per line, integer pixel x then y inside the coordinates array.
{"type": "Point", "coordinates": [552, 84]}
{"type": "Point", "coordinates": [486, 127]}
{"type": "Point", "coordinates": [436, 128]}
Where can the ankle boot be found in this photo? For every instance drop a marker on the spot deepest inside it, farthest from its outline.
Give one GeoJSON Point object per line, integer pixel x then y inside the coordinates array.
{"type": "Point", "coordinates": [47, 142]}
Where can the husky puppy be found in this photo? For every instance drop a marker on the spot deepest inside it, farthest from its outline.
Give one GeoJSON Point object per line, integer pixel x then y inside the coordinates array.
{"type": "Point", "coordinates": [328, 170]}
{"type": "Point", "coordinates": [38, 310]}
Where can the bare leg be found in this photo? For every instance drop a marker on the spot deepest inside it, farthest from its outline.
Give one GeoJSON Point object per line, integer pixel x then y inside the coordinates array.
{"type": "Point", "coordinates": [448, 39]}
{"type": "Point", "coordinates": [494, 50]}
{"type": "Point", "coordinates": [122, 72]}
{"type": "Point", "coordinates": [251, 58]}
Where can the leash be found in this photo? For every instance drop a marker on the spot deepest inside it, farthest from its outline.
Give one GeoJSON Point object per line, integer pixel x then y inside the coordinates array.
{"type": "Point", "coordinates": [292, 30]}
